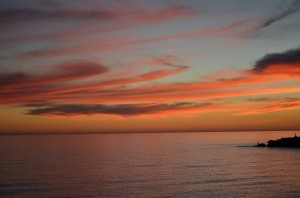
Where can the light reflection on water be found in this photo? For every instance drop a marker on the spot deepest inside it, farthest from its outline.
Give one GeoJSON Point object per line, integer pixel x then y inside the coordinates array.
{"type": "Point", "coordinates": [148, 165]}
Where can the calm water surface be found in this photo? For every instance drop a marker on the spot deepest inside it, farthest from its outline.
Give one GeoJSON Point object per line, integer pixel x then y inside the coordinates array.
{"type": "Point", "coordinates": [148, 165]}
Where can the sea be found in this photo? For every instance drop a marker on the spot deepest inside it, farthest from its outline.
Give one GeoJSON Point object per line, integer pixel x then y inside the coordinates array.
{"type": "Point", "coordinates": [203, 164]}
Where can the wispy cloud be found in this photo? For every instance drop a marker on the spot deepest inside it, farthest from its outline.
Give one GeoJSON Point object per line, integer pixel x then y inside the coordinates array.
{"type": "Point", "coordinates": [61, 73]}
{"type": "Point", "coordinates": [276, 105]}
{"type": "Point", "coordinates": [19, 88]}
{"type": "Point", "coordinates": [289, 9]}
{"type": "Point", "coordinates": [52, 38]}
{"type": "Point", "coordinates": [118, 44]}
{"type": "Point", "coordinates": [254, 26]}
{"type": "Point", "coordinates": [120, 109]}
{"type": "Point", "coordinates": [106, 19]}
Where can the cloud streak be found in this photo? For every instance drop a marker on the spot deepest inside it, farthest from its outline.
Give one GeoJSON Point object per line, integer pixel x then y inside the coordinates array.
{"type": "Point", "coordinates": [290, 9]}
{"type": "Point", "coordinates": [120, 109]}
{"type": "Point", "coordinates": [61, 73]}
{"type": "Point", "coordinates": [122, 18]}
{"type": "Point", "coordinates": [117, 44]}
{"type": "Point", "coordinates": [95, 88]}
{"type": "Point", "coordinates": [24, 88]}
{"type": "Point", "coordinates": [276, 105]}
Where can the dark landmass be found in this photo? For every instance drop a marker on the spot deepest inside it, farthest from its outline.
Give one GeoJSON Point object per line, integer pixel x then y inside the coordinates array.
{"type": "Point", "coordinates": [283, 142]}
{"type": "Point", "coordinates": [261, 145]}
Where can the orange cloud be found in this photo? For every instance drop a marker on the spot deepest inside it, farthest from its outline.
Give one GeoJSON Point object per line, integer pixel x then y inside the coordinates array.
{"type": "Point", "coordinates": [270, 69]}
{"type": "Point", "coordinates": [268, 108]}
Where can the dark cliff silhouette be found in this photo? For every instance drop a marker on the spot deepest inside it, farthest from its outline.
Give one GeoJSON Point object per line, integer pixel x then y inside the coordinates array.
{"type": "Point", "coordinates": [283, 142]}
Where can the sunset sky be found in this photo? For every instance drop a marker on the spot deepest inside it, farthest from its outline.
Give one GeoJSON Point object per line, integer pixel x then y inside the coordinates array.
{"type": "Point", "coordinates": [149, 66]}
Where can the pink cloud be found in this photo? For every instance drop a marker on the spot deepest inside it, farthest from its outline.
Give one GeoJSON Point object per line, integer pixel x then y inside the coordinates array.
{"type": "Point", "coordinates": [56, 86]}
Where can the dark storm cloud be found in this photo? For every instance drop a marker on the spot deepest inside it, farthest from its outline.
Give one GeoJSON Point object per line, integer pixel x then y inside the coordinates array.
{"type": "Point", "coordinates": [120, 109]}
{"type": "Point", "coordinates": [288, 57]}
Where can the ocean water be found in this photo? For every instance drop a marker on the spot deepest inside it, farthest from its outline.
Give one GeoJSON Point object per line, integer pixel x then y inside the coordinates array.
{"type": "Point", "coordinates": [148, 165]}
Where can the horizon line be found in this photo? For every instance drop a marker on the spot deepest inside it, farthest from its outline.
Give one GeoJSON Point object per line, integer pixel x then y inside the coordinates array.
{"type": "Point", "coordinates": [137, 132]}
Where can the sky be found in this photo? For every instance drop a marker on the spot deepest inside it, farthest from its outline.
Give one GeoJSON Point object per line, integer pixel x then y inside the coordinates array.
{"type": "Point", "coordinates": [89, 66]}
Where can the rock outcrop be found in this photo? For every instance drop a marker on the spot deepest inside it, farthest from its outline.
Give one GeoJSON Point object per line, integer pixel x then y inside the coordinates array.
{"type": "Point", "coordinates": [283, 142]}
